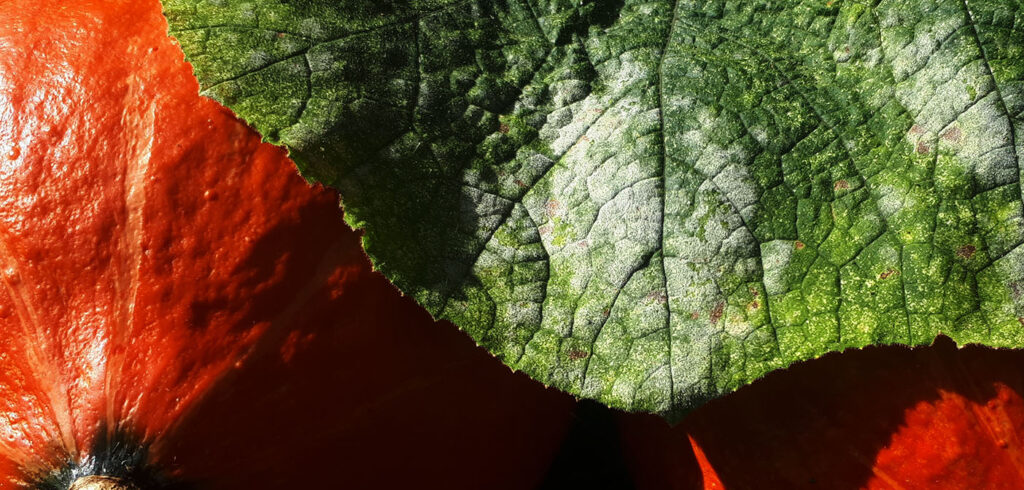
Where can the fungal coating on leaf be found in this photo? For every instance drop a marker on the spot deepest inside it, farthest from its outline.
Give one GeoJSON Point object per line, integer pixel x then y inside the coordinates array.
{"type": "Point", "coordinates": [653, 203]}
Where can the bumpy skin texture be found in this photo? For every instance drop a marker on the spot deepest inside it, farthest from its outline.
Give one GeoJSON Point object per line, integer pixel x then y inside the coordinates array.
{"type": "Point", "coordinates": [175, 298]}
{"type": "Point", "coordinates": [882, 419]}
{"type": "Point", "coordinates": [654, 202]}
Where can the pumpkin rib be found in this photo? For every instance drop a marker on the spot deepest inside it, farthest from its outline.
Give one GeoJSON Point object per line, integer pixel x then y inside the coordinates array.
{"type": "Point", "coordinates": [16, 378]}
{"type": "Point", "coordinates": [32, 329]}
{"type": "Point", "coordinates": [136, 170]}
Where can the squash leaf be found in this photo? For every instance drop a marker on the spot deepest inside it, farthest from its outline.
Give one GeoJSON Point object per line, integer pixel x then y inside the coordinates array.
{"type": "Point", "coordinates": [653, 203]}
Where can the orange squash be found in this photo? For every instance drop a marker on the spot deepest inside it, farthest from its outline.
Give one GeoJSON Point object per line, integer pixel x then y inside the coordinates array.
{"type": "Point", "coordinates": [177, 307]}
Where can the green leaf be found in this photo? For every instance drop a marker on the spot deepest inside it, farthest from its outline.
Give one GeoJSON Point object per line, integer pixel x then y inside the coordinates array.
{"type": "Point", "coordinates": [654, 203]}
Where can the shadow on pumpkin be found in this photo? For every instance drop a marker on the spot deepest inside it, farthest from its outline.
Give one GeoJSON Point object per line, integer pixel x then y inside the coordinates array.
{"type": "Point", "coordinates": [883, 417]}
{"type": "Point", "coordinates": [363, 390]}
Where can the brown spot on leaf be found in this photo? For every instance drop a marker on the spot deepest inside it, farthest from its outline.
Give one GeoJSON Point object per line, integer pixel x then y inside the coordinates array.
{"type": "Point", "coordinates": [717, 311]}
{"type": "Point", "coordinates": [923, 148]}
{"type": "Point", "coordinates": [889, 273]}
{"type": "Point", "coordinates": [577, 355]}
{"type": "Point", "coordinates": [520, 183]}
{"type": "Point", "coordinates": [953, 134]}
{"type": "Point", "coordinates": [1021, 320]}
{"type": "Point", "coordinates": [280, 35]}
{"type": "Point", "coordinates": [1016, 290]}
{"type": "Point", "coordinates": [841, 185]}
{"type": "Point", "coordinates": [754, 304]}
{"type": "Point", "coordinates": [552, 207]}
{"type": "Point", "coordinates": [966, 251]}
{"type": "Point", "coordinates": [657, 295]}
{"type": "Point", "coordinates": [583, 139]}
{"type": "Point", "coordinates": [605, 312]}
{"type": "Point", "coordinates": [545, 230]}
{"type": "Point", "coordinates": [916, 130]}
{"type": "Point", "coordinates": [694, 315]}
{"type": "Point", "coordinates": [503, 128]}
{"type": "Point", "coordinates": [799, 245]}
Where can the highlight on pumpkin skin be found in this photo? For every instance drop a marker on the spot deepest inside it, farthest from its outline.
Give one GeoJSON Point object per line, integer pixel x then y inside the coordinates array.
{"type": "Point", "coordinates": [171, 288]}
{"type": "Point", "coordinates": [111, 249]}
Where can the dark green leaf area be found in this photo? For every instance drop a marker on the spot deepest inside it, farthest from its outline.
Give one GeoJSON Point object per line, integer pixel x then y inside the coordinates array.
{"type": "Point", "coordinates": [653, 203]}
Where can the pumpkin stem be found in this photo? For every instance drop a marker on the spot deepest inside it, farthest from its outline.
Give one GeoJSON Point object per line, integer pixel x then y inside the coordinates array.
{"type": "Point", "coordinates": [97, 482]}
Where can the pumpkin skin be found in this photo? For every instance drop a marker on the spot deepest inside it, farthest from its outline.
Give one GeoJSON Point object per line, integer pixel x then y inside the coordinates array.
{"type": "Point", "coordinates": [881, 418]}
{"type": "Point", "coordinates": [174, 296]}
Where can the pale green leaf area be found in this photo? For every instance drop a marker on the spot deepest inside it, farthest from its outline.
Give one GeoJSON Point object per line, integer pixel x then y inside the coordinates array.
{"type": "Point", "coordinates": [654, 203]}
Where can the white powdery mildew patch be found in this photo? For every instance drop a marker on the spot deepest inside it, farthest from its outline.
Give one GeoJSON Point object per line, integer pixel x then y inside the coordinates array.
{"type": "Point", "coordinates": [596, 230]}
{"type": "Point", "coordinates": [563, 199]}
{"type": "Point", "coordinates": [946, 85]}
{"type": "Point", "coordinates": [985, 142]}
{"type": "Point", "coordinates": [776, 256]}
{"type": "Point", "coordinates": [845, 41]}
{"type": "Point", "coordinates": [940, 94]}
{"type": "Point", "coordinates": [597, 209]}
{"type": "Point", "coordinates": [639, 315]}
{"type": "Point", "coordinates": [628, 227]}
{"type": "Point", "coordinates": [705, 240]}
{"type": "Point", "coordinates": [1012, 96]}
{"type": "Point", "coordinates": [709, 194]}
{"type": "Point", "coordinates": [694, 257]}
{"type": "Point", "coordinates": [625, 236]}
{"type": "Point", "coordinates": [258, 59]}
{"type": "Point", "coordinates": [481, 216]}
{"type": "Point", "coordinates": [483, 209]}
{"type": "Point", "coordinates": [891, 200]}
{"type": "Point", "coordinates": [738, 185]}
{"type": "Point", "coordinates": [1004, 279]}
{"type": "Point", "coordinates": [759, 134]}
{"type": "Point", "coordinates": [727, 167]}
{"type": "Point", "coordinates": [935, 61]}
{"type": "Point", "coordinates": [910, 38]}
{"type": "Point", "coordinates": [566, 92]}
{"type": "Point", "coordinates": [321, 60]}
{"type": "Point", "coordinates": [514, 247]}
{"type": "Point", "coordinates": [311, 27]}
{"type": "Point", "coordinates": [291, 44]}
{"type": "Point", "coordinates": [247, 13]}
{"type": "Point", "coordinates": [530, 166]}
{"type": "Point", "coordinates": [943, 82]}
{"type": "Point", "coordinates": [565, 126]}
